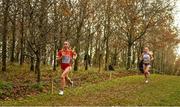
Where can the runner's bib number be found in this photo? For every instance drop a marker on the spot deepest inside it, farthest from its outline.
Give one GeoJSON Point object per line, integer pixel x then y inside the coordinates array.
{"type": "Point", "coordinates": [66, 59]}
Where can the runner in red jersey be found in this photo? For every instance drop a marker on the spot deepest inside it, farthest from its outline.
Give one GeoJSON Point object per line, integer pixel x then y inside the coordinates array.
{"type": "Point", "coordinates": [65, 56]}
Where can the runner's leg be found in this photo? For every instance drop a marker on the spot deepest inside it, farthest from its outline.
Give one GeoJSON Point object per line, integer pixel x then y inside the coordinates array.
{"type": "Point", "coordinates": [68, 79]}
{"type": "Point", "coordinates": [145, 71]}
{"type": "Point", "coordinates": [63, 77]}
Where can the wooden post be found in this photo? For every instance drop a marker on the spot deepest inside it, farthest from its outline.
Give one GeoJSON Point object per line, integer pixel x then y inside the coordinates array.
{"type": "Point", "coordinates": [110, 74]}
{"type": "Point", "coordinates": [52, 84]}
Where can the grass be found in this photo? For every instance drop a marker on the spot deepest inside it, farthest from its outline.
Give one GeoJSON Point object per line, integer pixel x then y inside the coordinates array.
{"type": "Point", "coordinates": [24, 81]}
{"type": "Point", "coordinates": [162, 90]}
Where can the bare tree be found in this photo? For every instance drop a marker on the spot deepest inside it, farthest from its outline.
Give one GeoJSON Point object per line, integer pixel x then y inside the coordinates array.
{"type": "Point", "coordinates": [6, 5]}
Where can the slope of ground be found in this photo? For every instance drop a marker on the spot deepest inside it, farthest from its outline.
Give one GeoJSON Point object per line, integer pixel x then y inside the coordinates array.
{"type": "Point", "coordinates": [131, 90]}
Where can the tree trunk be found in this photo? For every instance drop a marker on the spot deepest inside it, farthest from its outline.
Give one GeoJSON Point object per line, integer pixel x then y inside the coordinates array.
{"type": "Point", "coordinates": [134, 57]}
{"type": "Point", "coordinates": [114, 57]}
{"type": "Point", "coordinates": [99, 55]}
{"type": "Point", "coordinates": [107, 33]}
{"type": "Point", "coordinates": [4, 33]}
{"type": "Point", "coordinates": [107, 54]}
{"type": "Point", "coordinates": [77, 51]}
{"type": "Point", "coordinates": [22, 39]}
{"type": "Point", "coordinates": [37, 67]}
{"type": "Point", "coordinates": [32, 64]}
{"type": "Point", "coordinates": [96, 55]}
{"type": "Point", "coordinates": [78, 34]}
{"type": "Point", "coordinates": [86, 61]}
{"type": "Point", "coordinates": [86, 57]}
{"type": "Point", "coordinates": [17, 56]}
{"type": "Point", "coordinates": [13, 39]}
{"type": "Point", "coordinates": [22, 50]}
{"type": "Point", "coordinates": [99, 62]}
{"type": "Point", "coordinates": [129, 56]}
{"type": "Point", "coordinates": [54, 61]}
{"type": "Point", "coordinates": [44, 55]}
{"type": "Point", "coordinates": [55, 34]}
{"type": "Point", "coordinates": [91, 52]}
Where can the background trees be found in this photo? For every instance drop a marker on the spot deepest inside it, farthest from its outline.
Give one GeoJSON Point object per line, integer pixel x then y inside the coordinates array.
{"type": "Point", "coordinates": [102, 32]}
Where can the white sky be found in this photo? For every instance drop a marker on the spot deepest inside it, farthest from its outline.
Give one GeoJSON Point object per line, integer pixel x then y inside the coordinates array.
{"type": "Point", "coordinates": [177, 14]}
{"type": "Point", "coordinates": [177, 20]}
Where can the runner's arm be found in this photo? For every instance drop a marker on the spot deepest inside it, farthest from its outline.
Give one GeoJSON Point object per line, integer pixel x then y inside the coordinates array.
{"type": "Point", "coordinates": [151, 55]}
{"type": "Point", "coordinates": [74, 55]}
{"type": "Point", "coordinates": [141, 57]}
{"type": "Point", "coordinates": [59, 56]}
